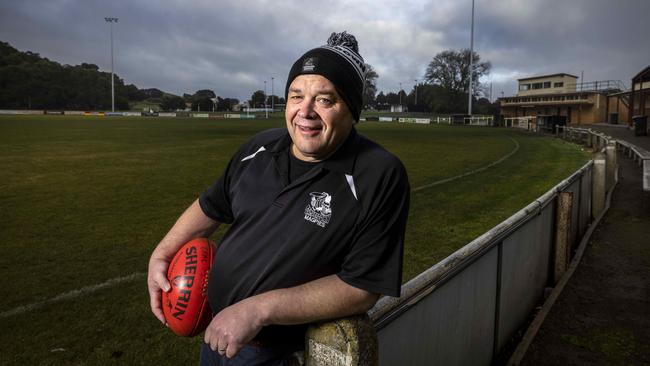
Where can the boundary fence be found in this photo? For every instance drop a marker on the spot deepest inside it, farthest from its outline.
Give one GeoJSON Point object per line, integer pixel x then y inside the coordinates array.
{"type": "Point", "coordinates": [459, 120]}
{"type": "Point", "coordinates": [596, 139]}
{"type": "Point", "coordinates": [468, 308]}
{"type": "Point", "coordinates": [135, 114]}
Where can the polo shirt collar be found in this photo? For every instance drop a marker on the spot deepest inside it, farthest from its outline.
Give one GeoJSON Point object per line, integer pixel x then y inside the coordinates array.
{"type": "Point", "coordinates": [341, 161]}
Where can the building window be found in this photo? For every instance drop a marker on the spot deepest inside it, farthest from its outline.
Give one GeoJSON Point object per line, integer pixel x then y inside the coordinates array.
{"type": "Point", "coordinates": [537, 85]}
{"type": "Point", "coordinates": [559, 85]}
{"type": "Point", "coordinates": [547, 84]}
{"type": "Point", "coordinates": [524, 87]}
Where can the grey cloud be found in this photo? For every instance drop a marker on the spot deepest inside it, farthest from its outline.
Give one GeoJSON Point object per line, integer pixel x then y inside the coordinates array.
{"type": "Point", "coordinates": [233, 46]}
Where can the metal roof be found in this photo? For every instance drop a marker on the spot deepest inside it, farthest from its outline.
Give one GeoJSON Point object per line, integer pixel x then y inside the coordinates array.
{"type": "Point", "coordinates": [547, 76]}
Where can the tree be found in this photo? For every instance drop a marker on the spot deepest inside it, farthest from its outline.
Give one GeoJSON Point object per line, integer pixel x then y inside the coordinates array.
{"type": "Point", "coordinates": [370, 87]}
{"type": "Point", "coordinates": [381, 102]}
{"type": "Point", "coordinates": [226, 104]}
{"type": "Point", "coordinates": [450, 69]}
{"type": "Point", "coordinates": [434, 98]}
{"type": "Point", "coordinates": [257, 99]}
{"type": "Point", "coordinates": [272, 100]}
{"type": "Point", "coordinates": [203, 104]}
{"type": "Point", "coordinates": [28, 80]}
{"type": "Point", "coordinates": [204, 93]}
{"type": "Point", "coordinates": [392, 98]}
{"type": "Point", "coordinates": [172, 103]}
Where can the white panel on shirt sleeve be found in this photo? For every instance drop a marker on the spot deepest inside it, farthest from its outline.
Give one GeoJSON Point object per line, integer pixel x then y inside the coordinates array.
{"type": "Point", "coordinates": [253, 155]}
{"type": "Point", "coordinates": [351, 184]}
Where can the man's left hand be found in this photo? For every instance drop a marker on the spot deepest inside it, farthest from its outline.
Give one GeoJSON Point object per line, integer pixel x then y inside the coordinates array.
{"type": "Point", "coordinates": [233, 327]}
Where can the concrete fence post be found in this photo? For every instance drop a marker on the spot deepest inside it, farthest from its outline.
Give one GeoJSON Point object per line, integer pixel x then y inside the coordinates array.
{"type": "Point", "coordinates": [646, 175]}
{"type": "Point", "coordinates": [590, 137]}
{"type": "Point", "coordinates": [563, 229]}
{"type": "Point", "coordinates": [612, 165]}
{"type": "Point", "coordinates": [348, 341]}
{"type": "Point", "coordinates": [598, 180]}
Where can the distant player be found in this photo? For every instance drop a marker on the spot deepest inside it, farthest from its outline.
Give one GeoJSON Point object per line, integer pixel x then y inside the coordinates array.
{"type": "Point", "coordinates": [317, 216]}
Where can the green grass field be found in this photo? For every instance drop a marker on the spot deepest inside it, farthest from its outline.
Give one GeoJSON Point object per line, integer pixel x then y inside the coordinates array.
{"type": "Point", "coordinates": [84, 200]}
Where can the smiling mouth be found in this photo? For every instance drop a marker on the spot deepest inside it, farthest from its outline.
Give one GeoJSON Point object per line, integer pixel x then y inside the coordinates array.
{"type": "Point", "coordinates": [309, 129]}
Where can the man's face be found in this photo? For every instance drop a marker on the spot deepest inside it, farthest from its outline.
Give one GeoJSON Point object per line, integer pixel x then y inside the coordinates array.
{"type": "Point", "coordinates": [317, 118]}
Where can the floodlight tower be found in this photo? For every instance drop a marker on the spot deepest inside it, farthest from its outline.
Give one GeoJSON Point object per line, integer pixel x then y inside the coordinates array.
{"type": "Point", "coordinates": [266, 111]}
{"type": "Point", "coordinates": [416, 91]}
{"type": "Point", "coordinates": [272, 96]}
{"type": "Point", "coordinates": [471, 64]}
{"type": "Point", "coordinates": [112, 20]}
{"type": "Point", "coordinates": [400, 96]}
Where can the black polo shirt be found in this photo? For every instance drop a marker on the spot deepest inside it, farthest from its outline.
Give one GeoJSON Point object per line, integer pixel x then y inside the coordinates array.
{"type": "Point", "coordinates": [345, 216]}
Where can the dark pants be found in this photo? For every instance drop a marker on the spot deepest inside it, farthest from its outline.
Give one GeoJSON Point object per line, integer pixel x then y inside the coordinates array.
{"type": "Point", "coordinates": [249, 356]}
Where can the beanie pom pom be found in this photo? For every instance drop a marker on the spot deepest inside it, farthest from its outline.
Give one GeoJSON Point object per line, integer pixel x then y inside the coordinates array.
{"type": "Point", "coordinates": [343, 39]}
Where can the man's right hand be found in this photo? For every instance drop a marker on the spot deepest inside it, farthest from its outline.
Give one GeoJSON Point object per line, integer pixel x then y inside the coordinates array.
{"type": "Point", "coordinates": [157, 282]}
{"type": "Point", "coordinates": [193, 223]}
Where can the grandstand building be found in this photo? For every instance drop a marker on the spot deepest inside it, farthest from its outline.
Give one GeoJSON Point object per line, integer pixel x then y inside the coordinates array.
{"type": "Point", "coordinates": [640, 93]}
{"type": "Point", "coordinates": [561, 95]}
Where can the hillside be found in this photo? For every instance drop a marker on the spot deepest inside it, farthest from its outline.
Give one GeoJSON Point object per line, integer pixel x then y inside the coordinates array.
{"type": "Point", "coordinates": [29, 81]}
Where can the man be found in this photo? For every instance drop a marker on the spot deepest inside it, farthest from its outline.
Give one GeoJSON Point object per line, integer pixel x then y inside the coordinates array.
{"type": "Point", "coordinates": [317, 216]}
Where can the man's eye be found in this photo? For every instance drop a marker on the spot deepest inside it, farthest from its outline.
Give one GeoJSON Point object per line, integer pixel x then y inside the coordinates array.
{"type": "Point", "coordinates": [324, 101]}
{"type": "Point", "coordinates": [296, 98]}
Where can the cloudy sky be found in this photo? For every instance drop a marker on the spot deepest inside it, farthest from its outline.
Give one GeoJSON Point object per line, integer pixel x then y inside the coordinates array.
{"type": "Point", "coordinates": [233, 46]}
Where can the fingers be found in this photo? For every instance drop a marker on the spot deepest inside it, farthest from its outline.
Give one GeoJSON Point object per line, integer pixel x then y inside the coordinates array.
{"type": "Point", "coordinates": [221, 342]}
{"type": "Point", "coordinates": [156, 304]}
{"type": "Point", "coordinates": [157, 281]}
{"type": "Point", "coordinates": [232, 350]}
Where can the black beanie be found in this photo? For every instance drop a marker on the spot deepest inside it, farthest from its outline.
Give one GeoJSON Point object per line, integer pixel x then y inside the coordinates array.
{"type": "Point", "coordinates": [339, 62]}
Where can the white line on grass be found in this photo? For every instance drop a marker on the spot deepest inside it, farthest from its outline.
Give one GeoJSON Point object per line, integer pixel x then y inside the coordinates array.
{"type": "Point", "coordinates": [114, 281]}
{"type": "Point", "coordinates": [446, 180]}
{"type": "Point", "coordinates": [71, 294]}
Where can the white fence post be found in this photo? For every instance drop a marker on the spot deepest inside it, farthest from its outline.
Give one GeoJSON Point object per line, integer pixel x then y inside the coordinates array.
{"type": "Point", "coordinates": [612, 165]}
{"type": "Point", "coordinates": [599, 177]}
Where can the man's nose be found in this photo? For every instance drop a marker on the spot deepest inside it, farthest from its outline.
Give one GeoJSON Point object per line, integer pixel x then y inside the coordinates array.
{"type": "Point", "coordinates": [307, 109]}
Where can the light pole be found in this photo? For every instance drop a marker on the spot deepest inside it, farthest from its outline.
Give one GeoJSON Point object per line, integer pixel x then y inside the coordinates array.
{"type": "Point", "coordinates": [266, 111]}
{"type": "Point", "coordinates": [471, 64]}
{"type": "Point", "coordinates": [400, 96]}
{"type": "Point", "coordinates": [111, 21]}
{"type": "Point", "coordinates": [272, 95]}
{"type": "Point", "coordinates": [416, 91]}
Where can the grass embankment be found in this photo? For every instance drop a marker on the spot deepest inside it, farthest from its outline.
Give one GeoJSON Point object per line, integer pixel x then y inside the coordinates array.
{"type": "Point", "coordinates": [85, 200]}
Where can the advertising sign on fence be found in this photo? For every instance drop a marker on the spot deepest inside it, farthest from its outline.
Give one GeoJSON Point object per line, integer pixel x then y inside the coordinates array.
{"type": "Point", "coordinates": [200, 115]}
{"type": "Point", "coordinates": [166, 114]}
{"type": "Point", "coordinates": [415, 120]}
{"type": "Point", "coordinates": [132, 114]}
{"type": "Point", "coordinates": [12, 111]}
{"type": "Point", "coordinates": [385, 119]}
{"type": "Point", "coordinates": [73, 113]}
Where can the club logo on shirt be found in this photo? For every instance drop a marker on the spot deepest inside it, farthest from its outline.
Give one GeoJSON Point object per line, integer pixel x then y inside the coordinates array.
{"type": "Point", "coordinates": [319, 209]}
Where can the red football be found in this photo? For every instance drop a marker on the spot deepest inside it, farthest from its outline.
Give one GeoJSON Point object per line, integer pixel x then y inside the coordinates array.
{"type": "Point", "coordinates": [186, 305]}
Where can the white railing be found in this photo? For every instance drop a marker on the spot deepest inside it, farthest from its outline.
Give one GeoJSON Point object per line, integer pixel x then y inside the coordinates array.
{"type": "Point", "coordinates": [598, 140]}
{"type": "Point", "coordinates": [526, 122]}
{"type": "Point", "coordinates": [479, 120]}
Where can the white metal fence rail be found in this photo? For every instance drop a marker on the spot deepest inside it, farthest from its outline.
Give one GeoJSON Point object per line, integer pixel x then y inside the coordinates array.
{"type": "Point", "coordinates": [480, 296]}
